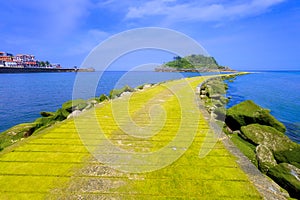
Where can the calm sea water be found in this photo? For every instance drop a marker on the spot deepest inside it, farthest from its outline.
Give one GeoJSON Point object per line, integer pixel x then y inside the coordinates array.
{"type": "Point", "coordinates": [277, 91]}
{"type": "Point", "coordinates": [24, 96]}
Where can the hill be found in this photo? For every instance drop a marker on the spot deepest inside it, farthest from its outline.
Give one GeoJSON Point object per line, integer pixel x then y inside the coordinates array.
{"type": "Point", "coordinates": [193, 63]}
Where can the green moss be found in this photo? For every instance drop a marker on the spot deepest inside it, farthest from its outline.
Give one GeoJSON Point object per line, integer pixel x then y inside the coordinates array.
{"type": "Point", "coordinates": [290, 155]}
{"type": "Point", "coordinates": [247, 113]}
{"type": "Point", "coordinates": [103, 97]}
{"type": "Point", "coordinates": [117, 92]}
{"type": "Point", "coordinates": [46, 114]}
{"type": "Point", "coordinates": [72, 104]}
{"type": "Point", "coordinates": [283, 175]}
{"type": "Point", "coordinates": [81, 106]}
{"type": "Point", "coordinates": [60, 114]}
{"type": "Point", "coordinates": [245, 147]}
{"type": "Point", "coordinates": [16, 133]}
{"type": "Point", "coordinates": [44, 121]}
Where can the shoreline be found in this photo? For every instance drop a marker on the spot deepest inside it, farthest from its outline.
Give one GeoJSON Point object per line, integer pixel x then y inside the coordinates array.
{"type": "Point", "coordinates": [7, 70]}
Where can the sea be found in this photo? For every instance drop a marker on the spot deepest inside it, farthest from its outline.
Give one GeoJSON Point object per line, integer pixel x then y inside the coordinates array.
{"type": "Point", "coordinates": [24, 96]}
{"type": "Point", "coordinates": [278, 91]}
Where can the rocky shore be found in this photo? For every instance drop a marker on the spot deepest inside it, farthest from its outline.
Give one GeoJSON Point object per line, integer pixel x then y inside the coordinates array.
{"type": "Point", "coordinates": [257, 134]}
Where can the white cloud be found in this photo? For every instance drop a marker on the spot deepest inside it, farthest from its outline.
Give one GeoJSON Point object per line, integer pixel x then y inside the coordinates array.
{"type": "Point", "coordinates": [174, 11]}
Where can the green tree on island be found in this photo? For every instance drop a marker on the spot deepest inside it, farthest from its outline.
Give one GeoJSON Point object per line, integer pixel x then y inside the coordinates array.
{"type": "Point", "coordinates": [192, 62]}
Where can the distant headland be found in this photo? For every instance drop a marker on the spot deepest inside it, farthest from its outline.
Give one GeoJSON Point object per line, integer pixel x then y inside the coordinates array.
{"type": "Point", "coordinates": [27, 63]}
{"type": "Point", "coordinates": [193, 63]}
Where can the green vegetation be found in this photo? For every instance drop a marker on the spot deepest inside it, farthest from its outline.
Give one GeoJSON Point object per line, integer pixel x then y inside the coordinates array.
{"type": "Point", "coordinates": [213, 94]}
{"type": "Point", "coordinates": [117, 92]}
{"type": "Point", "coordinates": [246, 148]}
{"type": "Point", "coordinates": [248, 112]}
{"type": "Point", "coordinates": [288, 177]}
{"type": "Point", "coordinates": [55, 164]}
{"type": "Point", "coordinates": [15, 134]}
{"type": "Point", "coordinates": [261, 138]}
{"type": "Point", "coordinates": [199, 62]}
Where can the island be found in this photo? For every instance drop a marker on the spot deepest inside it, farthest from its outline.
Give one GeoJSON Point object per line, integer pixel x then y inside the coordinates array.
{"type": "Point", "coordinates": [193, 63]}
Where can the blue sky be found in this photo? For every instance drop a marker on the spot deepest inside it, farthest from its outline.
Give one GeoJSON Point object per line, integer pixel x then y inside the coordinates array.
{"type": "Point", "coordinates": [242, 34]}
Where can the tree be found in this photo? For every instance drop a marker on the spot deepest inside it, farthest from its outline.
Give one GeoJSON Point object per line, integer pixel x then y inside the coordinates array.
{"type": "Point", "coordinates": [177, 58]}
{"type": "Point", "coordinates": [42, 64]}
{"type": "Point", "coordinates": [47, 63]}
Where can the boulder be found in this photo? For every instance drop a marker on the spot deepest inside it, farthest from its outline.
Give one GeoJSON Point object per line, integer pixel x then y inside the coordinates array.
{"type": "Point", "coordinates": [16, 133]}
{"type": "Point", "coordinates": [117, 92]}
{"type": "Point", "coordinates": [88, 107]}
{"type": "Point", "coordinates": [81, 106]}
{"type": "Point", "coordinates": [60, 115]}
{"type": "Point", "coordinates": [261, 134]}
{"type": "Point", "coordinates": [46, 114]}
{"type": "Point", "coordinates": [71, 105]}
{"type": "Point", "coordinates": [125, 94]}
{"type": "Point", "coordinates": [284, 150]}
{"type": "Point", "coordinates": [44, 121]}
{"type": "Point", "coordinates": [221, 113]}
{"type": "Point", "coordinates": [75, 113]}
{"type": "Point", "coordinates": [265, 158]}
{"type": "Point", "coordinates": [289, 155]}
{"type": "Point", "coordinates": [288, 177]}
{"type": "Point", "coordinates": [248, 112]}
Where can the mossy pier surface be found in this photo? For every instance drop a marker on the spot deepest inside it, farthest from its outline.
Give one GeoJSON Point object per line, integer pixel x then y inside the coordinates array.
{"type": "Point", "coordinates": [58, 163]}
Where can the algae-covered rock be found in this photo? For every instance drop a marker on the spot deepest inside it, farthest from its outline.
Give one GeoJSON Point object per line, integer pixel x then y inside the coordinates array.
{"type": "Point", "coordinates": [117, 92]}
{"type": "Point", "coordinates": [60, 114]}
{"type": "Point", "coordinates": [215, 88]}
{"type": "Point", "coordinates": [220, 112]}
{"type": "Point", "coordinates": [46, 114]}
{"type": "Point", "coordinates": [103, 97]}
{"type": "Point", "coordinates": [72, 105]}
{"type": "Point", "coordinates": [288, 177]}
{"type": "Point", "coordinates": [265, 158]}
{"type": "Point", "coordinates": [44, 121]}
{"type": "Point", "coordinates": [15, 133]}
{"type": "Point", "coordinates": [247, 113]}
{"type": "Point", "coordinates": [75, 113]}
{"type": "Point", "coordinates": [289, 155]}
{"type": "Point", "coordinates": [261, 134]}
{"type": "Point", "coordinates": [284, 150]}
{"type": "Point", "coordinates": [81, 106]}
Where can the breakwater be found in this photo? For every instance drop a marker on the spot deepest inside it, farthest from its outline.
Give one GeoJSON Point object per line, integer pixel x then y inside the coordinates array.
{"type": "Point", "coordinates": [56, 163]}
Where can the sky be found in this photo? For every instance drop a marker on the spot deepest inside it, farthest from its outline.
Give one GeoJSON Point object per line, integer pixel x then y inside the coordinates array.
{"type": "Point", "coordinates": [241, 34]}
